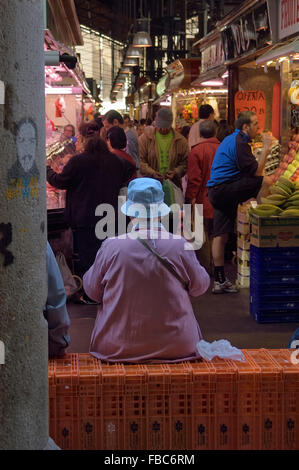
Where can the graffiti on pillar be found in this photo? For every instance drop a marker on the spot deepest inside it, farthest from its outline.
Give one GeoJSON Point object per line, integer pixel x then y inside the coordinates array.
{"type": "Point", "coordinates": [23, 176]}
{"type": "Point", "coordinates": [5, 241]}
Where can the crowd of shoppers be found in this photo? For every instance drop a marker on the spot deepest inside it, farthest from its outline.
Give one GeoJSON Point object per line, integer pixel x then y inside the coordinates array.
{"type": "Point", "coordinates": [143, 288]}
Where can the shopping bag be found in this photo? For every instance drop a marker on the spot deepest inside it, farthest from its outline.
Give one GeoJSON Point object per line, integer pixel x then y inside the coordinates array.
{"type": "Point", "coordinates": [173, 194]}
{"type": "Point", "coordinates": [72, 283]}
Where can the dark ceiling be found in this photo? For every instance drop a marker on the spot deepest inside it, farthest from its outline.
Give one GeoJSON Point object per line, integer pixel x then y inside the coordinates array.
{"type": "Point", "coordinates": [114, 18]}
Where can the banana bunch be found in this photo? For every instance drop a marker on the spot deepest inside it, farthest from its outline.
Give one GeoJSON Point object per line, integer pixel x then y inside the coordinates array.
{"type": "Point", "coordinates": [283, 200]}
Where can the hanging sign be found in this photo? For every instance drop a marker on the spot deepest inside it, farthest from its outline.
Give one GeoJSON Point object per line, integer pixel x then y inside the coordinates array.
{"type": "Point", "coordinates": [252, 100]}
{"type": "Point", "coordinates": [288, 19]}
{"type": "Point", "coordinates": [212, 56]}
{"type": "Point", "coordinates": [250, 32]}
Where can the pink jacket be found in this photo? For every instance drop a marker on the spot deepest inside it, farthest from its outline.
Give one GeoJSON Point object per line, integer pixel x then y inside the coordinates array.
{"type": "Point", "coordinates": [145, 314]}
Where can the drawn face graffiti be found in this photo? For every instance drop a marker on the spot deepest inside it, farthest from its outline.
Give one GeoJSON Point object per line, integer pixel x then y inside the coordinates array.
{"type": "Point", "coordinates": [26, 145]}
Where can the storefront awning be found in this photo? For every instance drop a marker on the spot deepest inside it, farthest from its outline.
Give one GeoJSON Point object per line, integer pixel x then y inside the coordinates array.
{"type": "Point", "coordinates": [279, 51]}
{"type": "Point", "coordinates": [210, 75]}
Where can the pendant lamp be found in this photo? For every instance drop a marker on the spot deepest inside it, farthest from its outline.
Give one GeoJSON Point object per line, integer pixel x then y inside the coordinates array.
{"type": "Point", "coordinates": [133, 53]}
{"type": "Point", "coordinates": [130, 62]}
{"type": "Point", "coordinates": [142, 39]}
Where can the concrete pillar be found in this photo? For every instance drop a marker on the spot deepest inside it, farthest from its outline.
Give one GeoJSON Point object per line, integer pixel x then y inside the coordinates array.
{"type": "Point", "coordinates": [23, 227]}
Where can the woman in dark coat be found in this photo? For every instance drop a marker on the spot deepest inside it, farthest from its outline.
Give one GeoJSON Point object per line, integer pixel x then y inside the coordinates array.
{"type": "Point", "coordinates": [91, 178]}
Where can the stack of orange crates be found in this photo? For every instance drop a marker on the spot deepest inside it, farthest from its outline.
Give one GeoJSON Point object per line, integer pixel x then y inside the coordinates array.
{"type": "Point", "coordinates": [290, 418]}
{"type": "Point", "coordinates": [202, 405]}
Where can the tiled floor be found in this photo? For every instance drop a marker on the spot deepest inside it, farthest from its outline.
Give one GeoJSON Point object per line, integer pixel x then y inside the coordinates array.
{"type": "Point", "coordinates": [220, 317]}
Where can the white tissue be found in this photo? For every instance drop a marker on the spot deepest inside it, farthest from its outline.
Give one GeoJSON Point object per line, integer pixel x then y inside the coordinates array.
{"type": "Point", "coordinates": [221, 348]}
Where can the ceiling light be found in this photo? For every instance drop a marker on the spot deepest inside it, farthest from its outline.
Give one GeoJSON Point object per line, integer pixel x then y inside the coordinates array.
{"type": "Point", "coordinates": [134, 53]}
{"type": "Point", "coordinates": [212, 83]}
{"type": "Point", "coordinates": [142, 39]}
{"type": "Point", "coordinates": [130, 62]}
{"type": "Point", "coordinates": [126, 70]}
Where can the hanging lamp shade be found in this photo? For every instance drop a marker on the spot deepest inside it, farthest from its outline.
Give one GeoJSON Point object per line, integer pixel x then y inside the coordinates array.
{"type": "Point", "coordinates": [133, 53]}
{"type": "Point", "coordinates": [142, 39]}
{"type": "Point", "coordinates": [129, 62]}
{"type": "Point", "coordinates": [127, 70]}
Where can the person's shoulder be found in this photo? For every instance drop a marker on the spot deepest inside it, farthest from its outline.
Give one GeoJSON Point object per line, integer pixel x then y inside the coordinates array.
{"type": "Point", "coordinates": [243, 138]}
{"type": "Point", "coordinates": [149, 133]}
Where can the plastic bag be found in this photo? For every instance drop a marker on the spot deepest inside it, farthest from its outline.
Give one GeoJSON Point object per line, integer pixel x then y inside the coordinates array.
{"type": "Point", "coordinates": [72, 283]}
{"type": "Point", "coordinates": [173, 194]}
{"type": "Point", "coordinates": [221, 348]}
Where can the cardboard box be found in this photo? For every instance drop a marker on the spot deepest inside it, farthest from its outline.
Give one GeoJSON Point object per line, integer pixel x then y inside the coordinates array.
{"type": "Point", "coordinates": [243, 270]}
{"type": "Point", "coordinates": [267, 232]}
{"type": "Point", "coordinates": [243, 215]}
{"type": "Point", "coordinates": [243, 254]}
{"type": "Point", "coordinates": [244, 244]}
{"type": "Point", "coordinates": [243, 227]}
{"type": "Point", "coordinates": [243, 281]}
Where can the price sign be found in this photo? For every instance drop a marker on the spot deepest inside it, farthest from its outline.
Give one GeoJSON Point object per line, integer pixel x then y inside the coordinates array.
{"type": "Point", "coordinates": [252, 100]}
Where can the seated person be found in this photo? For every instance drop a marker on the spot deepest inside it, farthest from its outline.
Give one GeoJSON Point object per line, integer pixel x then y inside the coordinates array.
{"type": "Point", "coordinates": [145, 313]}
{"type": "Point", "coordinates": [55, 311]}
{"type": "Point", "coordinates": [294, 342]}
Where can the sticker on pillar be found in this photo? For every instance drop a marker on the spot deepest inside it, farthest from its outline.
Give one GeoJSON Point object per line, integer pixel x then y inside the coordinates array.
{"type": "Point", "coordinates": [5, 241]}
{"type": "Point", "coordinates": [2, 353]}
{"type": "Point", "coordinates": [2, 93]}
{"type": "Point", "coordinates": [23, 176]}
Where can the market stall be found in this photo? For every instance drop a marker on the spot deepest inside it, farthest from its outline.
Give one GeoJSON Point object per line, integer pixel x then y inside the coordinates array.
{"type": "Point", "coordinates": [68, 101]}
{"type": "Point", "coordinates": [175, 90]}
{"type": "Point", "coordinates": [212, 83]}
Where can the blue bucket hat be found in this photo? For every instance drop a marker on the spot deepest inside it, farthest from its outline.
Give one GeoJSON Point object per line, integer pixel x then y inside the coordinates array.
{"type": "Point", "coordinates": [145, 199]}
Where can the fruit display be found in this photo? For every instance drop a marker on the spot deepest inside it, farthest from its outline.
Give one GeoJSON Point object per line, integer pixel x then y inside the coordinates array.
{"type": "Point", "coordinates": [289, 166]}
{"type": "Point", "coordinates": [283, 200]}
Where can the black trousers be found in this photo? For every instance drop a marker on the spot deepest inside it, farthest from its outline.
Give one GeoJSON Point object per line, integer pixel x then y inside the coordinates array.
{"type": "Point", "coordinates": [85, 246]}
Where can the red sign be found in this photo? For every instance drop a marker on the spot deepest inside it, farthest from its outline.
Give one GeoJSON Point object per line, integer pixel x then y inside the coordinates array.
{"type": "Point", "coordinates": [285, 236]}
{"type": "Point", "coordinates": [252, 100]}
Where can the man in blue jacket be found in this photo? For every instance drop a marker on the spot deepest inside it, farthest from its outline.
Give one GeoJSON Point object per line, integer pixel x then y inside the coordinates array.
{"type": "Point", "coordinates": [236, 176]}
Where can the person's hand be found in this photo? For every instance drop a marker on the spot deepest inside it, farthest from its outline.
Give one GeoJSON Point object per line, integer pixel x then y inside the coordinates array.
{"type": "Point", "coordinates": [267, 141]}
{"type": "Point", "coordinates": [170, 175]}
{"type": "Point", "coordinates": [193, 201]}
{"type": "Point", "coordinates": [159, 176]}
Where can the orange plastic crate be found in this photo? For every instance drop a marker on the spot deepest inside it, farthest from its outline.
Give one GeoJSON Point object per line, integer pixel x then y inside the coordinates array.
{"type": "Point", "coordinates": [135, 395]}
{"type": "Point", "coordinates": [180, 405]}
{"type": "Point", "coordinates": [225, 404]}
{"type": "Point", "coordinates": [249, 405]}
{"type": "Point", "coordinates": [290, 398]}
{"type": "Point", "coordinates": [112, 430]}
{"type": "Point", "coordinates": [158, 407]}
{"type": "Point", "coordinates": [66, 375]}
{"type": "Point", "coordinates": [203, 405]}
{"type": "Point", "coordinates": [271, 383]}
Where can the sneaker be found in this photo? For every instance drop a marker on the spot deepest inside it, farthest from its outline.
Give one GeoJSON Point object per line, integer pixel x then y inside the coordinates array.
{"type": "Point", "coordinates": [225, 288]}
{"type": "Point", "coordinates": [84, 300]}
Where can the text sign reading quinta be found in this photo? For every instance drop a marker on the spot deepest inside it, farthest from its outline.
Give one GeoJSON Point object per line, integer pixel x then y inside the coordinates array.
{"type": "Point", "coordinates": [252, 100]}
